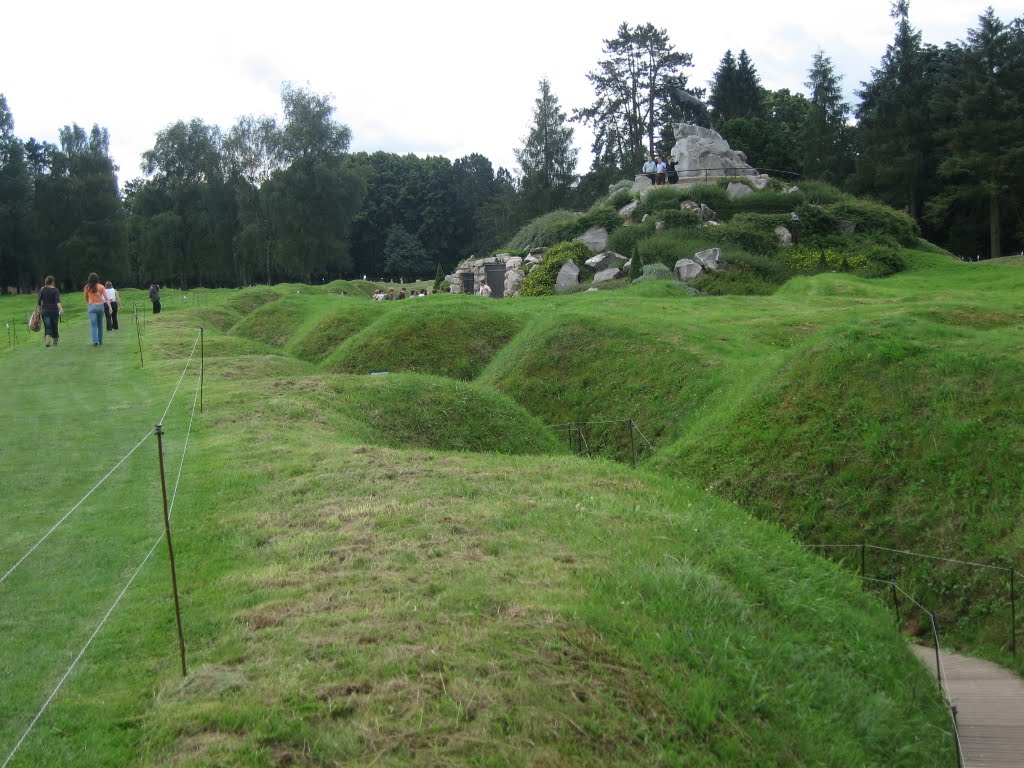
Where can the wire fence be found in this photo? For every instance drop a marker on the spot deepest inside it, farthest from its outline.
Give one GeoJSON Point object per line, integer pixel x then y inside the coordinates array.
{"type": "Point", "coordinates": [962, 593]}
{"type": "Point", "coordinates": [616, 439]}
{"type": "Point", "coordinates": [940, 675]}
{"type": "Point", "coordinates": [168, 511]}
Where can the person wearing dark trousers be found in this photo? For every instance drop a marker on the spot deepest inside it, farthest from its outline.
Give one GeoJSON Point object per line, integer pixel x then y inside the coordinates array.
{"type": "Point", "coordinates": [50, 311]}
{"type": "Point", "coordinates": [111, 312]}
{"type": "Point", "coordinates": [154, 296]}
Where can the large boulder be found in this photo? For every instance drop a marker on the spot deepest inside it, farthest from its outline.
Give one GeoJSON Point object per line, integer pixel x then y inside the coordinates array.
{"type": "Point", "coordinates": [605, 260]}
{"type": "Point", "coordinates": [846, 227]}
{"type": "Point", "coordinates": [702, 152]}
{"type": "Point", "coordinates": [568, 277]}
{"type": "Point", "coordinates": [595, 238]}
{"type": "Point", "coordinates": [707, 214]}
{"type": "Point", "coordinates": [642, 183]}
{"type": "Point", "coordinates": [513, 282]}
{"type": "Point", "coordinates": [708, 259]}
{"type": "Point", "coordinates": [627, 210]}
{"type": "Point", "coordinates": [607, 274]}
{"type": "Point", "coordinates": [687, 269]}
{"type": "Point", "coordinates": [736, 189]}
{"type": "Point", "coordinates": [783, 235]}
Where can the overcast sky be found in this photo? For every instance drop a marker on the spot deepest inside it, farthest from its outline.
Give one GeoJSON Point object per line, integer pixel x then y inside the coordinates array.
{"type": "Point", "coordinates": [441, 78]}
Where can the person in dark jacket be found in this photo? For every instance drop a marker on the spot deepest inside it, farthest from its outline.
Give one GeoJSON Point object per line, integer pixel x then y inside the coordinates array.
{"type": "Point", "coordinates": [50, 310]}
{"type": "Point", "coordinates": [154, 296]}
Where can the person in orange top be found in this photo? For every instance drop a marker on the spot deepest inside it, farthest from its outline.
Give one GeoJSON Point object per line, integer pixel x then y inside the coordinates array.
{"type": "Point", "coordinates": [97, 299]}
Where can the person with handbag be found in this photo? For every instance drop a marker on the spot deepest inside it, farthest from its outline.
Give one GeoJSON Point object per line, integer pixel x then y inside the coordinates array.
{"type": "Point", "coordinates": [96, 298]}
{"type": "Point", "coordinates": [50, 310]}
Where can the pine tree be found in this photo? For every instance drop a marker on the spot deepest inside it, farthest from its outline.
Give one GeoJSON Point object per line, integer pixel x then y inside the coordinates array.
{"type": "Point", "coordinates": [547, 158]}
{"type": "Point", "coordinates": [749, 93]}
{"type": "Point", "coordinates": [826, 148]}
{"type": "Point", "coordinates": [632, 89]}
{"type": "Point", "coordinates": [982, 90]}
{"type": "Point", "coordinates": [735, 88]}
{"type": "Point", "coordinates": [722, 89]}
{"type": "Point", "coordinates": [895, 132]}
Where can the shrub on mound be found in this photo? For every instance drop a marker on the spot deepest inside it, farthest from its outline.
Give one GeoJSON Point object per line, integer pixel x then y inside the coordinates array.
{"type": "Point", "coordinates": [541, 279]}
{"type": "Point", "coordinates": [670, 246]}
{"type": "Point", "coordinates": [658, 199]}
{"type": "Point", "coordinates": [600, 216]}
{"type": "Point", "coordinates": [624, 239]}
{"type": "Point", "coordinates": [546, 230]}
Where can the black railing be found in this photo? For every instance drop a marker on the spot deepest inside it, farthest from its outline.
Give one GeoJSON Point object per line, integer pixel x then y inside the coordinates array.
{"type": "Point", "coordinates": [695, 173]}
{"type": "Point", "coordinates": [889, 567]}
{"type": "Point", "coordinates": [940, 676]}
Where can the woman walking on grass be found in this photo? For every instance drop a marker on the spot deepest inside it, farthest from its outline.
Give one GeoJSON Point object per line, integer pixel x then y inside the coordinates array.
{"type": "Point", "coordinates": [112, 313]}
{"type": "Point", "coordinates": [98, 301]}
{"type": "Point", "coordinates": [50, 310]}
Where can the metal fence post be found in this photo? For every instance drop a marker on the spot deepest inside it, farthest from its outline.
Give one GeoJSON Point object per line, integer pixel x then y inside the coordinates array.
{"type": "Point", "coordinates": [632, 445]}
{"type": "Point", "coordinates": [863, 547]}
{"type": "Point", "coordinates": [1013, 613]}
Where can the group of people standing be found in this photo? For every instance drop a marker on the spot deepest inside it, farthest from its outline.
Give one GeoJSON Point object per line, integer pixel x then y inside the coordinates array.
{"type": "Point", "coordinates": [379, 294]}
{"type": "Point", "coordinates": [661, 171]}
{"type": "Point", "coordinates": [102, 302]}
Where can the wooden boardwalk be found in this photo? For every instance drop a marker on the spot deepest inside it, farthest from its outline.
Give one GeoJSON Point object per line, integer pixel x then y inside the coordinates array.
{"type": "Point", "coordinates": [990, 708]}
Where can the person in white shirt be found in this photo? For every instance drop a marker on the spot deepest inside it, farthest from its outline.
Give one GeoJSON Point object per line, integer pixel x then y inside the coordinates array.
{"type": "Point", "coordinates": [650, 167]}
{"type": "Point", "coordinates": [111, 308]}
{"type": "Point", "coordinates": [484, 289]}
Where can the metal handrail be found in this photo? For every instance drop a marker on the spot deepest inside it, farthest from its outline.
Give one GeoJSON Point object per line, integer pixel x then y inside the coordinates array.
{"type": "Point", "coordinates": [940, 675]}
{"type": "Point", "coordinates": [1011, 571]}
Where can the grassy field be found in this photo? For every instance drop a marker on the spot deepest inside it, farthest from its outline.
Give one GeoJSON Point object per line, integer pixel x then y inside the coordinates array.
{"type": "Point", "coordinates": [412, 568]}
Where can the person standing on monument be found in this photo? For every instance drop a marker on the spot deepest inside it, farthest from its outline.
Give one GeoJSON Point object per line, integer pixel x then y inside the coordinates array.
{"type": "Point", "coordinates": [662, 170]}
{"type": "Point", "coordinates": [650, 167]}
{"type": "Point", "coordinates": [673, 174]}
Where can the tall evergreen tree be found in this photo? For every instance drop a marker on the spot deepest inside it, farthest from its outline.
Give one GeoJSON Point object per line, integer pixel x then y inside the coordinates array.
{"type": "Point", "coordinates": [547, 159]}
{"type": "Point", "coordinates": [15, 204]}
{"type": "Point", "coordinates": [632, 90]}
{"type": "Point", "coordinates": [982, 88]}
{"type": "Point", "coordinates": [735, 88]}
{"type": "Point", "coordinates": [827, 153]}
{"type": "Point", "coordinates": [749, 92]}
{"type": "Point", "coordinates": [898, 155]}
{"type": "Point", "coordinates": [722, 88]}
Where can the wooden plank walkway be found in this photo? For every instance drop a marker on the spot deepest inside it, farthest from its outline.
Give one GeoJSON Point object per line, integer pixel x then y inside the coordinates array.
{"type": "Point", "coordinates": [990, 708]}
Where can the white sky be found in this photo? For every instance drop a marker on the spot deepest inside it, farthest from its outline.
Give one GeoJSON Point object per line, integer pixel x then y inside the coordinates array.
{"type": "Point", "coordinates": [432, 78]}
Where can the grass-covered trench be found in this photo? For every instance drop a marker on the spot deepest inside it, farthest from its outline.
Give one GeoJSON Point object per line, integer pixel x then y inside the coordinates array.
{"type": "Point", "coordinates": [411, 568]}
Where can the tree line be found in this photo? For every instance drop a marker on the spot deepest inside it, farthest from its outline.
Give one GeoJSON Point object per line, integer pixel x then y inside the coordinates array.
{"type": "Point", "coordinates": [937, 132]}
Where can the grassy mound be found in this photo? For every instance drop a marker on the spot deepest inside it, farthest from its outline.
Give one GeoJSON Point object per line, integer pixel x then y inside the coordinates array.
{"type": "Point", "coordinates": [334, 327]}
{"type": "Point", "coordinates": [446, 336]}
{"type": "Point", "coordinates": [246, 300]}
{"type": "Point", "coordinates": [349, 602]}
{"type": "Point", "coordinates": [293, 317]}
{"type": "Point", "coordinates": [901, 431]}
{"type": "Point", "coordinates": [577, 367]}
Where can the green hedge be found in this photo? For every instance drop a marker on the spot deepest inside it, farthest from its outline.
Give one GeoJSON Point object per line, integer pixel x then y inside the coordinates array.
{"type": "Point", "coordinates": [540, 281]}
{"type": "Point", "coordinates": [546, 230]}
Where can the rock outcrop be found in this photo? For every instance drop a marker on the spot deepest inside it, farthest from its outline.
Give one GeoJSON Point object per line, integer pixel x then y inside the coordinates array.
{"type": "Point", "coordinates": [702, 152]}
